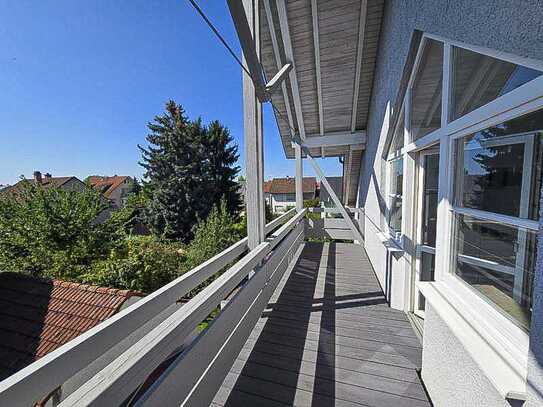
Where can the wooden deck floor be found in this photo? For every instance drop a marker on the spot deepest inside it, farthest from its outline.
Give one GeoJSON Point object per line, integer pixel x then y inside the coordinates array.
{"type": "Point", "coordinates": [328, 338]}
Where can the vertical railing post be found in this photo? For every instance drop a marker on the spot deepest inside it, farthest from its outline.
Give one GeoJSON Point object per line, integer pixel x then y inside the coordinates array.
{"type": "Point", "coordinates": [252, 125]}
{"type": "Point", "coordinates": [299, 178]}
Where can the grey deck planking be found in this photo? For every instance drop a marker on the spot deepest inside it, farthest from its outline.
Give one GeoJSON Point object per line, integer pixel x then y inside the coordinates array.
{"type": "Point", "coordinates": [328, 338]}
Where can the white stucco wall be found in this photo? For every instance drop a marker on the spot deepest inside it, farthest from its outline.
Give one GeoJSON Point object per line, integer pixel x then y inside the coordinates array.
{"type": "Point", "coordinates": [451, 376]}
{"type": "Point", "coordinates": [286, 200]}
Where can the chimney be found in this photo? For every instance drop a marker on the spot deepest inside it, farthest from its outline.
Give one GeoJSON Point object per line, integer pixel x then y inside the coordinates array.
{"type": "Point", "coordinates": [47, 177]}
{"type": "Point", "coordinates": [37, 177]}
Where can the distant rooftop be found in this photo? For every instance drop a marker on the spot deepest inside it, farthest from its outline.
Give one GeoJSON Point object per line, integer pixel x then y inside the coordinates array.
{"type": "Point", "coordinates": [288, 185]}
{"type": "Point", "coordinates": [106, 185]}
{"type": "Point", "coordinates": [45, 180]}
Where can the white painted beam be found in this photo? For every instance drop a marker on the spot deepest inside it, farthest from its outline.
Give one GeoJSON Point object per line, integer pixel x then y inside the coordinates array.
{"type": "Point", "coordinates": [243, 22]}
{"type": "Point", "coordinates": [335, 140]}
{"type": "Point", "coordinates": [316, 45]}
{"type": "Point", "coordinates": [347, 190]}
{"type": "Point", "coordinates": [299, 178]}
{"type": "Point", "coordinates": [252, 128]}
{"type": "Point", "coordinates": [287, 45]}
{"type": "Point", "coordinates": [275, 46]}
{"type": "Point", "coordinates": [359, 54]}
{"type": "Point", "coordinates": [356, 233]}
{"type": "Point", "coordinates": [322, 178]}
{"type": "Point", "coordinates": [279, 78]}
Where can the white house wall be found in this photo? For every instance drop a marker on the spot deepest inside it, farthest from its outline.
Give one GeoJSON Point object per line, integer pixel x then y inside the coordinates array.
{"type": "Point", "coordinates": [510, 26]}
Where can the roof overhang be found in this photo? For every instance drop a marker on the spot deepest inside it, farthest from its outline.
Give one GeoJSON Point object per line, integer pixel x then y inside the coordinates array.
{"type": "Point", "coordinates": [332, 46]}
{"type": "Point", "coordinates": [321, 58]}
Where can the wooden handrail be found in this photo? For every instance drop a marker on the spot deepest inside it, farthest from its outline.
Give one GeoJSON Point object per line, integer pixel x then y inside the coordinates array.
{"type": "Point", "coordinates": [270, 227]}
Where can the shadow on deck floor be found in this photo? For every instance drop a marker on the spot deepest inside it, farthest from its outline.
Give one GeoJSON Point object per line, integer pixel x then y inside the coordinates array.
{"type": "Point", "coordinates": [328, 338]}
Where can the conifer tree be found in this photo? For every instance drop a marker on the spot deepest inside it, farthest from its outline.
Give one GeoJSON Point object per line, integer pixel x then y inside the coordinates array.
{"type": "Point", "coordinates": [188, 169]}
{"type": "Point", "coordinates": [222, 170]}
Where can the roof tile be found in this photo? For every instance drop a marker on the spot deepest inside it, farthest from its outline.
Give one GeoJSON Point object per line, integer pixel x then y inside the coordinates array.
{"type": "Point", "coordinates": [107, 185]}
{"type": "Point", "coordinates": [288, 185]}
{"type": "Point", "coordinates": [37, 315]}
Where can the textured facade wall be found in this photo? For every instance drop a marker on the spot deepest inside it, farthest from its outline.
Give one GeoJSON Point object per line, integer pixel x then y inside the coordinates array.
{"type": "Point", "coordinates": [513, 26]}
{"type": "Point", "coordinates": [535, 360]}
{"type": "Point", "coordinates": [451, 376]}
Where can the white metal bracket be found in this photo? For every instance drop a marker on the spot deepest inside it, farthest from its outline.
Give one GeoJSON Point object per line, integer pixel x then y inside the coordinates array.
{"type": "Point", "coordinates": [263, 90]}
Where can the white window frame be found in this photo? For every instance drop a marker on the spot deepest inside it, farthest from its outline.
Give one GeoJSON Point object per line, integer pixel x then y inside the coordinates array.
{"type": "Point", "coordinates": [394, 234]}
{"type": "Point", "coordinates": [496, 343]}
{"type": "Point", "coordinates": [527, 139]}
{"type": "Point", "coordinates": [392, 157]}
{"type": "Point", "coordinates": [417, 229]}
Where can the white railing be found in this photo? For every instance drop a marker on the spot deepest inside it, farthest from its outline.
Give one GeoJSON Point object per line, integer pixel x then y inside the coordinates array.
{"type": "Point", "coordinates": [129, 345]}
{"type": "Point", "coordinates": [334, 210]}
{"type": "Point", "coordinates": [334, 228]}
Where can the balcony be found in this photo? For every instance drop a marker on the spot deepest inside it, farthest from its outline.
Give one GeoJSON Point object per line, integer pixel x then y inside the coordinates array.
{"type": "Point", "coordinates": [301, 324]}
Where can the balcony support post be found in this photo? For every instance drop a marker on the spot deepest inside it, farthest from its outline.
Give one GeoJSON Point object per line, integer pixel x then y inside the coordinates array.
{"type": "Point", "coordinates": [299, 178]}
{"type": "Point", "coordinates": [253, 140]}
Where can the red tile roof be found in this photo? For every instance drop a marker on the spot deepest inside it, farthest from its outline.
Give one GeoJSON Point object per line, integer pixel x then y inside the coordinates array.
{"type": "Point", "coordinates": [267, 186]}
{"type": "Point", "coordinates": [106, 185]}
{"type": "Point", "coordinates": [288, 185]}
{"type": "Point", "coordinates": [37, 315]}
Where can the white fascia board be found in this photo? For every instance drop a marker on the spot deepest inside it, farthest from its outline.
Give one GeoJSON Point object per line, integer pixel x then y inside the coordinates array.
{"type": "Point", "coordinates": [335, 140]}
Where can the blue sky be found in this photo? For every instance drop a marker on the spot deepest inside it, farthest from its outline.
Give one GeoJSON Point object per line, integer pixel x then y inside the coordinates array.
{"type": "Point", "coordinates": [81, 79]}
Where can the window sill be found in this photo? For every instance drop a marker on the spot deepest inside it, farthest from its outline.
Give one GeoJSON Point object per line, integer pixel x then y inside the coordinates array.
{"type": "Point", "coordinates": [391, 244]}
{"type": "Point", "coordinates": [503, 362]}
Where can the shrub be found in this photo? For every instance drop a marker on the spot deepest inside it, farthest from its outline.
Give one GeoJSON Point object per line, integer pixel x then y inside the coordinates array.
{"type": "Point", "coordinates": [312, 203]}
{"type": "Point", "coordinates": [212, 236]}
{"type": "Point", "coordinates": [141, 263]}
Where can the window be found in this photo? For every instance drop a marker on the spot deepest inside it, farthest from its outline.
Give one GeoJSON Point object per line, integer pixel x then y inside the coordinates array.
{"type": "Point", "coordinates": [425, 233]}
{"type": "Point", "coordinates": [485, 177]}
{"type": "Point", "coordinates": [497, 187]}
{"type": "Point", "coordinates": [426, 92]}
{"type": "Point", "coordinates": [394, 218]}
{"type": "Point", "coordinates": [395, 179]}
{"type": "Point", "coordinates": [398, 138]}
{"type": "Point", "coordinates": [479, 79]}
{"type": "Point", "coordinates": [427, 271]}
{"type": "Point", "coordinates": [429, 200]}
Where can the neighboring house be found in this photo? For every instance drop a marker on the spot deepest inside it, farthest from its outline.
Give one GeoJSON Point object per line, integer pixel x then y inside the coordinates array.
{"type": "Point", "coordinates": [267, 195]}
{"type": "Point", "coordinates": [337, 185]}
{"type": "Point", "coordinates": [282, 192]}
{"type": "Point", "coordinates": [40, 315]}
{"type": "Point", "coordinates": [116, 188]}
{"type": "Point", "coordinates": [69, 183]}
{"type": "Point", "coordinates": [243, 191]}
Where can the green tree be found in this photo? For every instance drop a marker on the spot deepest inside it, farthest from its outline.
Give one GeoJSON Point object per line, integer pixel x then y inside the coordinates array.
{"type": "Point", "coordinates": [189, 168]}
{"type": "Point", "coordinates": [129, 219]}
{"type": "Point", "coordinates": [213, 235]}
{"type": "Point", "coordinates": [221, 172]}
{"type": "Point", "coordinates": [51, 232]}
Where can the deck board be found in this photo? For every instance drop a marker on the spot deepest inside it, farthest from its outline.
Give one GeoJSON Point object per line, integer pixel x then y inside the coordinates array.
{"type": "Point", "coordinates": [328, 338]}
